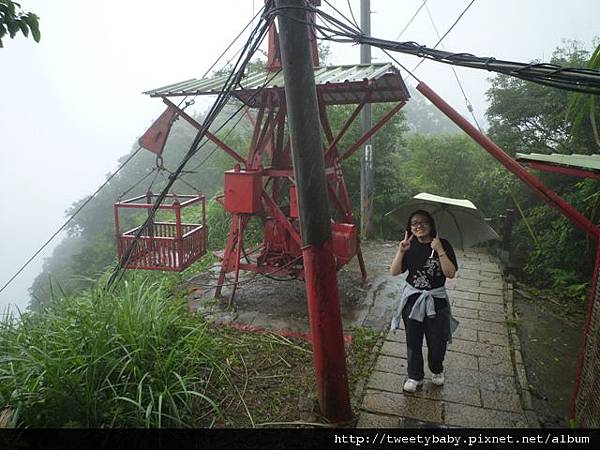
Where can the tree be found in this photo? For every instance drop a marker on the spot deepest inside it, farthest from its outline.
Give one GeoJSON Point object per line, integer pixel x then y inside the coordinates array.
{"type": "Point", "coordinates": [529, 118]}
{"type": "Point", "coordinates": [423, 118]}
{"type": "Point", "coordinates": [526, 116]}
{"type": "Point", "coordinates": [89, 247]}
{"type": "Point", "coordinates": [12, 21]}
{"type": "Point", "coordinates": [432, 163]}
{"type": "Point", "coordinates": [584, 108]}
{"type": "Point", "coordinates": [389, 189]}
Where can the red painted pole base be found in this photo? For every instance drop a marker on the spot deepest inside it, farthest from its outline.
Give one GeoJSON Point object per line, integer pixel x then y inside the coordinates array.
{"type": "Point", "coordinates": [326, 328]}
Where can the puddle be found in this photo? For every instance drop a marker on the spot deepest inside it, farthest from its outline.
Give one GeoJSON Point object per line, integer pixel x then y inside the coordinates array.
{"type": "Point", "coordinates": [550, 340]}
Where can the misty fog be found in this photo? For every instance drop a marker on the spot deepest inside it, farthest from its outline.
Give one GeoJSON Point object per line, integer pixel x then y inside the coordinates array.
{"type": "Point", "coordinates": [72, 105]}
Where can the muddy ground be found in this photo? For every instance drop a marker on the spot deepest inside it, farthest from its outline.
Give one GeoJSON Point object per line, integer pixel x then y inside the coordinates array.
{"type": "Point", "coordinates": [281, 305]}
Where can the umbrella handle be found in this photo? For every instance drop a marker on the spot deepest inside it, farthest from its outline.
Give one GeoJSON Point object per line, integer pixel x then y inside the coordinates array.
{"type": "Point", "coordinates": [432, 252]}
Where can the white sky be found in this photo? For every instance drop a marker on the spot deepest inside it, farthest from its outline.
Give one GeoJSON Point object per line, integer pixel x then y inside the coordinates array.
{"type": "Point", "coordinates": [71, 105]}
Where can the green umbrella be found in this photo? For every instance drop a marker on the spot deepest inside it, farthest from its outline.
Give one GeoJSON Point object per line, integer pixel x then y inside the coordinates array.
{"type": "Point", "coordinates": [456, 220]}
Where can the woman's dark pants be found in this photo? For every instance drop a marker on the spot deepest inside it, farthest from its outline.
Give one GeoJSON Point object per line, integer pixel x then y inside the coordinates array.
{"type": "Point", "coordinates": [435, 330]}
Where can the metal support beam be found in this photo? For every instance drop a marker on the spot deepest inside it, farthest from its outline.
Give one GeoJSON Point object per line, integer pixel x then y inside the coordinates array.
{"type": "Point", "coordinates": [571, 171]}
{"type": "Point", "coordinates": [231, 152]}
{"type": "Point", "coordinates": [315, 224]}
{"type": "Point", "coordinates": [547, 194]}
{"type": "Point", "coordinates": [333, 145]}
{"type": "Point", "coordinates": [365, 137]}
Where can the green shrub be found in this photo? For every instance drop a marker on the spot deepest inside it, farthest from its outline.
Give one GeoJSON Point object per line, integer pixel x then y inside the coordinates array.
{"type": "Point", "coordinates": [132, 357]}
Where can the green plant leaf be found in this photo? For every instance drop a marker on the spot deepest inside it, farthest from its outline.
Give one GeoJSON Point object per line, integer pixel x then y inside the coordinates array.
{"type": "Point", "coordinates": [10, 7]}
{"type": "Point", "coordinates": [13, 27]}
{"type": "Point", "coordinates": [24, 28]}
{"type": "Point", "coordinates": [33, 21]}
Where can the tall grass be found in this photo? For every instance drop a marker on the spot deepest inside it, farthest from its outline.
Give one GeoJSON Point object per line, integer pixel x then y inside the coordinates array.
{"type": "Point", "coordinates": [131, 357]}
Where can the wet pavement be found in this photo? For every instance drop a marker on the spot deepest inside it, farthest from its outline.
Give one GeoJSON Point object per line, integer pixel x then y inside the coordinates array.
{"type": "Point", "coordinates": [486, 384]}
{"type": "Point", "coordinates": [277, 305]}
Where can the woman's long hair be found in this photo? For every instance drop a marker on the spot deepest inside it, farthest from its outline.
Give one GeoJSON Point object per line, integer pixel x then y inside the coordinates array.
{"type": "Point", "coordinates": [422, 212]}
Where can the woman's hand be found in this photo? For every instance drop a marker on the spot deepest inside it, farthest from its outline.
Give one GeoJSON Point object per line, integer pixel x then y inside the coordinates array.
{"type": "Point", "coordinates": [436, 244]}
{"type": "Point", "coordinates": [405, 244]}
{"type": "Point", "coordinates": [447, 266]}
{"type": "Point", "coordinates": [396, 266]}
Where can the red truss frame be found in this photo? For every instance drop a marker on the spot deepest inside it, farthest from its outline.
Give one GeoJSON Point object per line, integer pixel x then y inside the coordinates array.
{"type": "Point", "coordinates": [262, 183]}
{"type": "Point", "coordinates": [268, 165]}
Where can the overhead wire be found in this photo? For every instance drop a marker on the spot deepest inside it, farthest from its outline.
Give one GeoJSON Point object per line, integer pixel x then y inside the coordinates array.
{"type": "Point", "coordinates": [117, 272]}
{"type": "Point", "coordinates": [139, 182]}
{"type": "Point", "coordinates": [569, 78]}
{"type": "Point", "coordinates": [64, 225]}
{"type": "Point", "coordinates": [83, 205]}
{"type": "Point", "coordinates": [352, 14]}
{"type": "Point", "coordinates": [250, 23]}
{"type": "Point", "coordinates": [203, 161]}
{"type": "Point", "coordinates": [411, 20]}
{"type": "Point", "coordinates": [467, 102]}
{"type": "Point", "coordinates": [334, 8]}
{"type": "Point", "coordinates": [447, 31]}
{"type": "Point", "coordinates": [229, 119]}
{"type": "Point", "coordinates": [256, 37]}
{"type": "Point", "coordinates": [194, 188]}
{"type": "Point", "coordinates": [254, 16]}
{"type": "Point", "coordinates": [203, 76]}
{"type": "Point", "coordinates": [239, 109]}
{"type": "Point", "coordinates": [576, 79]}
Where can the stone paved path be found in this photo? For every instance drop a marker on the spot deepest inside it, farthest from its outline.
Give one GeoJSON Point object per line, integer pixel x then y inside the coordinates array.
{"type": "Point", "coordinates": [485, 376]}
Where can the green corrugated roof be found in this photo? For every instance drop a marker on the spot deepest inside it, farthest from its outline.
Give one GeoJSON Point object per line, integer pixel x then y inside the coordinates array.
{"type": "Point", "coordinates": [587, 162]}
{"type": "Point", "coordinates": [338, 84]}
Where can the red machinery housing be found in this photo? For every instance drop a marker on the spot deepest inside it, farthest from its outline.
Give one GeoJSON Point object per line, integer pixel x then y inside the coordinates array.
{"type": "Point", "coordinates": [262, 182]}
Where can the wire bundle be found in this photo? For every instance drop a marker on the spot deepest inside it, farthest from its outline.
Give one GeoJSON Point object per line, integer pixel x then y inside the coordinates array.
{"type": "Point", "coordinates": [256, 37]}
{"type": "Point", "coordinates": [578, 79]}
{"type": "Point", "coordinates": [329, 28]}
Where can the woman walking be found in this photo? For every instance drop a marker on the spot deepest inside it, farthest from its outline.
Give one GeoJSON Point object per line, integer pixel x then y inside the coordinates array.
{"type": "Point", "coordinates": [424, 306]}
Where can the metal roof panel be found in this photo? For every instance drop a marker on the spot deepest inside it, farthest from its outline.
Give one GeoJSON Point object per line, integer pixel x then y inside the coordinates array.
{"type": "Point", "coordinates": [338, 84]}
{"type": "Point", "coordinates": [589, 162]}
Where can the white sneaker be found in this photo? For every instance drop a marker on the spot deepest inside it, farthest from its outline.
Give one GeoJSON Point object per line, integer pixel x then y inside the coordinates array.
{"type": "Point", "coordinates": [437, 378]}
{"type": "Point", "coordinates": [411, 385]}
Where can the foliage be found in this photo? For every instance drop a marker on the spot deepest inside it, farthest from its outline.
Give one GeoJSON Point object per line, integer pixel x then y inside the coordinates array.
{"type": "Point", "coordinates": [12, 21]}
{"type": "Point", "coordinates": [127, 358]}
{"type": "Point", "coordinates": [560, 252]}
{"type": "Point", "coordinates": [387, 144]}
{"type": "Point", "coordinates": [452, 155]}
{"type": "Point", "coordinates": [584, 109]}
{"type": "Point", "coordinates": [361, 353]}
{"type": "Point", "coordinates": [89, 247]}
{"type": "Point", "coordinates": [135, 358]}
{"type": "Point", "coordinates": [525, 117]}
{"type": "Point", "coordinates": [528, 116]}
{"type": "Point", "coordinates": [423, 118]}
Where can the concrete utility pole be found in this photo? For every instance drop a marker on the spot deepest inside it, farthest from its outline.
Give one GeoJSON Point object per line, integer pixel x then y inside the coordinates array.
{"type": "Point", "coordinates": [315, 223]}
{"type": "Point", "coordinates": [366, 163]}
